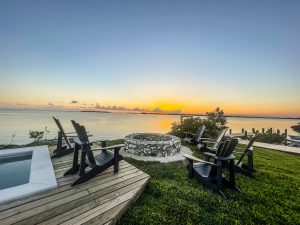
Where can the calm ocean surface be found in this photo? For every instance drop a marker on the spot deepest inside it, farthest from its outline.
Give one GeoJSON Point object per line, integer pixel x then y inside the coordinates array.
{"type": "Point", "coordinates": [108, 125]}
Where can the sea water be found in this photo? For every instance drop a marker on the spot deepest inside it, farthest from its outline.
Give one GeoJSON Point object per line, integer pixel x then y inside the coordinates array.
{"type": "Point", "coordinates": [16, 124]}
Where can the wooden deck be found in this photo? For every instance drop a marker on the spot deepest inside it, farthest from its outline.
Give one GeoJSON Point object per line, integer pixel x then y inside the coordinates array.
{"type": "Point", "coordinates": [101, 200]}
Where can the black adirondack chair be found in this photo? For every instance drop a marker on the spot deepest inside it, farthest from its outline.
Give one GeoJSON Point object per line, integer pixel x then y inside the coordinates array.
{"type": "Point", "coordinates": [246, 168]}
{"type": "Point", "coordinates": [210, 174]}
{"type": "Point", "coordinates": [61, 149]}
{"type": "Point", "coordinates": [194, 138]}
{"type": "Point", "coordinates": [97, 164]}
{"type": "Point", "coordinates": [203, 146]}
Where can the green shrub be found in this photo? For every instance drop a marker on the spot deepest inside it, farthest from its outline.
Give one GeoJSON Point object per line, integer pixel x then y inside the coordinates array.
{"type": "Point", "coordinates": [214, 122]}
{"type": "Point", "coordinates": [272, 138]}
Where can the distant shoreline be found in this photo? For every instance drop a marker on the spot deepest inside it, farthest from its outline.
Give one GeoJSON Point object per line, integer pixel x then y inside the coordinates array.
{"type": "Point", "coordinates": [163, 114]}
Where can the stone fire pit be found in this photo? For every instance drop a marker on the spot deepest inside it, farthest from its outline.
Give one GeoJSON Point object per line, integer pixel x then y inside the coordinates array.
{"type": "Point", "coordinates": [152, 144]}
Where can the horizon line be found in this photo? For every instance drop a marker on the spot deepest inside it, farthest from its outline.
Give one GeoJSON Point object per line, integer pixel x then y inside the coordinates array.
{"type": "Point", "coordinates": [158, 113]}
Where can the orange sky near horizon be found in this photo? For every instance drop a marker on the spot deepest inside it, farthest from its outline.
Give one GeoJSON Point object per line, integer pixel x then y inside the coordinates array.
{"type": "Point", "coordinates": [178, 104]}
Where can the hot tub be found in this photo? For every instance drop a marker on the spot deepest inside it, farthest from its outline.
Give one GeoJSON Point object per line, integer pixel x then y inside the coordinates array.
{"type": "Point", "coordinates": [24, 172]}
{"type": "Point", "coordinates": [152, 144]}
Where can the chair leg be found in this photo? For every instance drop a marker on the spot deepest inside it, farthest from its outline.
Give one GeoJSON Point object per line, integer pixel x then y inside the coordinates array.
{"type": "Point", "coordinates": [82, 161]}
{"type": "Point", "coordinates": [116, 160]}
{"type": "Point", "coordinates": [60, 149]}
{"type": "Point", "coordinates": [92, 173]}
{"type": "Point", "coordinates": [250, 162]}
{"type": "Point", "coordinates": [191, 169]}
{"type": "Point", "coordinates": [59, 143]}
{"type": "Point", "coordinates": [232, 175]}
{"type": "Point", "coordinates": [219, 175]}
{"type": "Point", "coordinates": [75, 166]}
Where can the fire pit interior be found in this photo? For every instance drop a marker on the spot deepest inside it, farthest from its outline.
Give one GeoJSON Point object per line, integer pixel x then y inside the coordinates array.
{"type": "Point", "coordinates": [152, 144]}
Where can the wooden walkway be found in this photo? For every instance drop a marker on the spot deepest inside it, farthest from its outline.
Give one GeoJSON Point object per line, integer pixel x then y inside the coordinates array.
{"type": "Point", "coordinates": [283, 148]}
{"type": "Point", "coordinates": [239, 135]}
{"type": "Point", "coordinates": [101, 200]}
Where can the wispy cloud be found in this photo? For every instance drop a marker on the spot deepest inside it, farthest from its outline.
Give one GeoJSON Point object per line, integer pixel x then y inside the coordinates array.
{"type": "Point", "coordinates": [74, 102]}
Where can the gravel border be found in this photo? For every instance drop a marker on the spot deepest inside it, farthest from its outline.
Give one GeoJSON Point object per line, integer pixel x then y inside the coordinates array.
{"type": "Point", "coordinates": [167, 159]}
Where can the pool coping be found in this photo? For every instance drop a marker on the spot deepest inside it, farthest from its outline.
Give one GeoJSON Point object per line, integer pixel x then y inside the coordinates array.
{"type": "Point", "coordinates": [42, 176]}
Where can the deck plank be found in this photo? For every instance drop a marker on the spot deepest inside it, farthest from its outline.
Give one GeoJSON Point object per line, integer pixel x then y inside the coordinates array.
{"type": "Point", "coordinates": [106, 177]}
{"type": "Point", "coordinates": [101, 200]}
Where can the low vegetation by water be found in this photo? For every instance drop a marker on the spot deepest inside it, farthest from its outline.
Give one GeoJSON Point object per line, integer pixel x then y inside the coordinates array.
{"type": "Point", "coordinates": [171, 198]}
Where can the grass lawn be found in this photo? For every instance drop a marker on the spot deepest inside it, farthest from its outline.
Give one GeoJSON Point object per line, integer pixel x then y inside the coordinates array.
{"type": "Point", "coordinates": [171, 198]}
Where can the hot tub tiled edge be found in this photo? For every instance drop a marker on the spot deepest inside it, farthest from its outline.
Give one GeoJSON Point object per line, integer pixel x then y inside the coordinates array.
{"type": "Point", "coordinates": [42, 177]}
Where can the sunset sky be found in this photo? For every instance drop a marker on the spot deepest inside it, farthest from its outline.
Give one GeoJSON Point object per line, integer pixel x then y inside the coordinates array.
{"type": "Point", "coordinates": [190, 56]}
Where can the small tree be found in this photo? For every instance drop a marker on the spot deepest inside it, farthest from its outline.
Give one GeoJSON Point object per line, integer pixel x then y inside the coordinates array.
{"type": "Point", "coordinates": [296, 128]}
{"type": "Point", "coordinates": [37, 135]}
{"type": "Point", "coordinates": [214, 122]}
{"type": "Point", "coordinates": [188, 125]}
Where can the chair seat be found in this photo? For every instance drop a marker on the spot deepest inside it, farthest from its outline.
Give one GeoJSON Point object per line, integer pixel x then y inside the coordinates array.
{"type": "Point", "coordinates": [199, 145]}
{"type": "Point", "coordinates": [104, 157]}
{"type": "Point", "coordinates": [202, 169]}
{"type": "Point", "coordinates": [187, 139]}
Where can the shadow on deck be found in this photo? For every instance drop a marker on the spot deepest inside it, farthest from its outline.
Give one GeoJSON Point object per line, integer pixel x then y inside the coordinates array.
{"type": "Point", "coordinates": [101, 200]}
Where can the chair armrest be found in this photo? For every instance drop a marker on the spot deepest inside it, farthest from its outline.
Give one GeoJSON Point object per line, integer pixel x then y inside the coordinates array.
{"type": "Point", "coordinates": [211, 139]}
{"type": "Point", "coordinates": [70, 136]}
{"type": "Point", "coordinates": [238, 152]}
{"type": "Point", "coordinates": [212, 142]}
{"type": "Point", "coordinates": [98, 142]}
{"type": "Point", "coordinates": [209, 154]}
{"type": "Point", "coordinates": [75, 135]}
{"type": "Point", "coordinates": [192, 158]}
{"type": "Point", "coordinates": [109, 148]}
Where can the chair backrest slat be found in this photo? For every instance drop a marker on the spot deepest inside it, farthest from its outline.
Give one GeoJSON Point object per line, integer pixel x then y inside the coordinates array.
{"type": "Point", "coordinates": [60, 127]}
{"type": "Point", "coordinates": [219, 138]}
{"type": "Point", "coordinates": [223, 150]}
{"type": "Point", "coordinates": [200, 132]}
{"type": "Point", "coordinates": [253, 138]}
{"type": "Point", "coordinates": [227, 148]}
{"type": "Point", "coordinates": [83, 137]}
{"type": "Point", "coordinates": [248, 148]}
{"type": "Point", "coordinates": [233, 143]}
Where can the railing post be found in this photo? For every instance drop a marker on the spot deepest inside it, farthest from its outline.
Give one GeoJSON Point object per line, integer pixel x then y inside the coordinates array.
{"type": "Point", "coordinates": [243, 130]}
{"type": "Point", "coordinates": [230, 131]}
{"type": "Point", "coordinates": [285, 135]}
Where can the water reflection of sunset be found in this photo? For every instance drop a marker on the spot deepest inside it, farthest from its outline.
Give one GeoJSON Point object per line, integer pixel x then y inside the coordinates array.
{"type": "Point", "coordinates": [164, 123]}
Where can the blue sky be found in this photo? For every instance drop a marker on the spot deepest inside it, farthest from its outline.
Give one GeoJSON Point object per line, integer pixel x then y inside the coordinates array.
{"type": "Point", "coordinates": [187, 55]}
